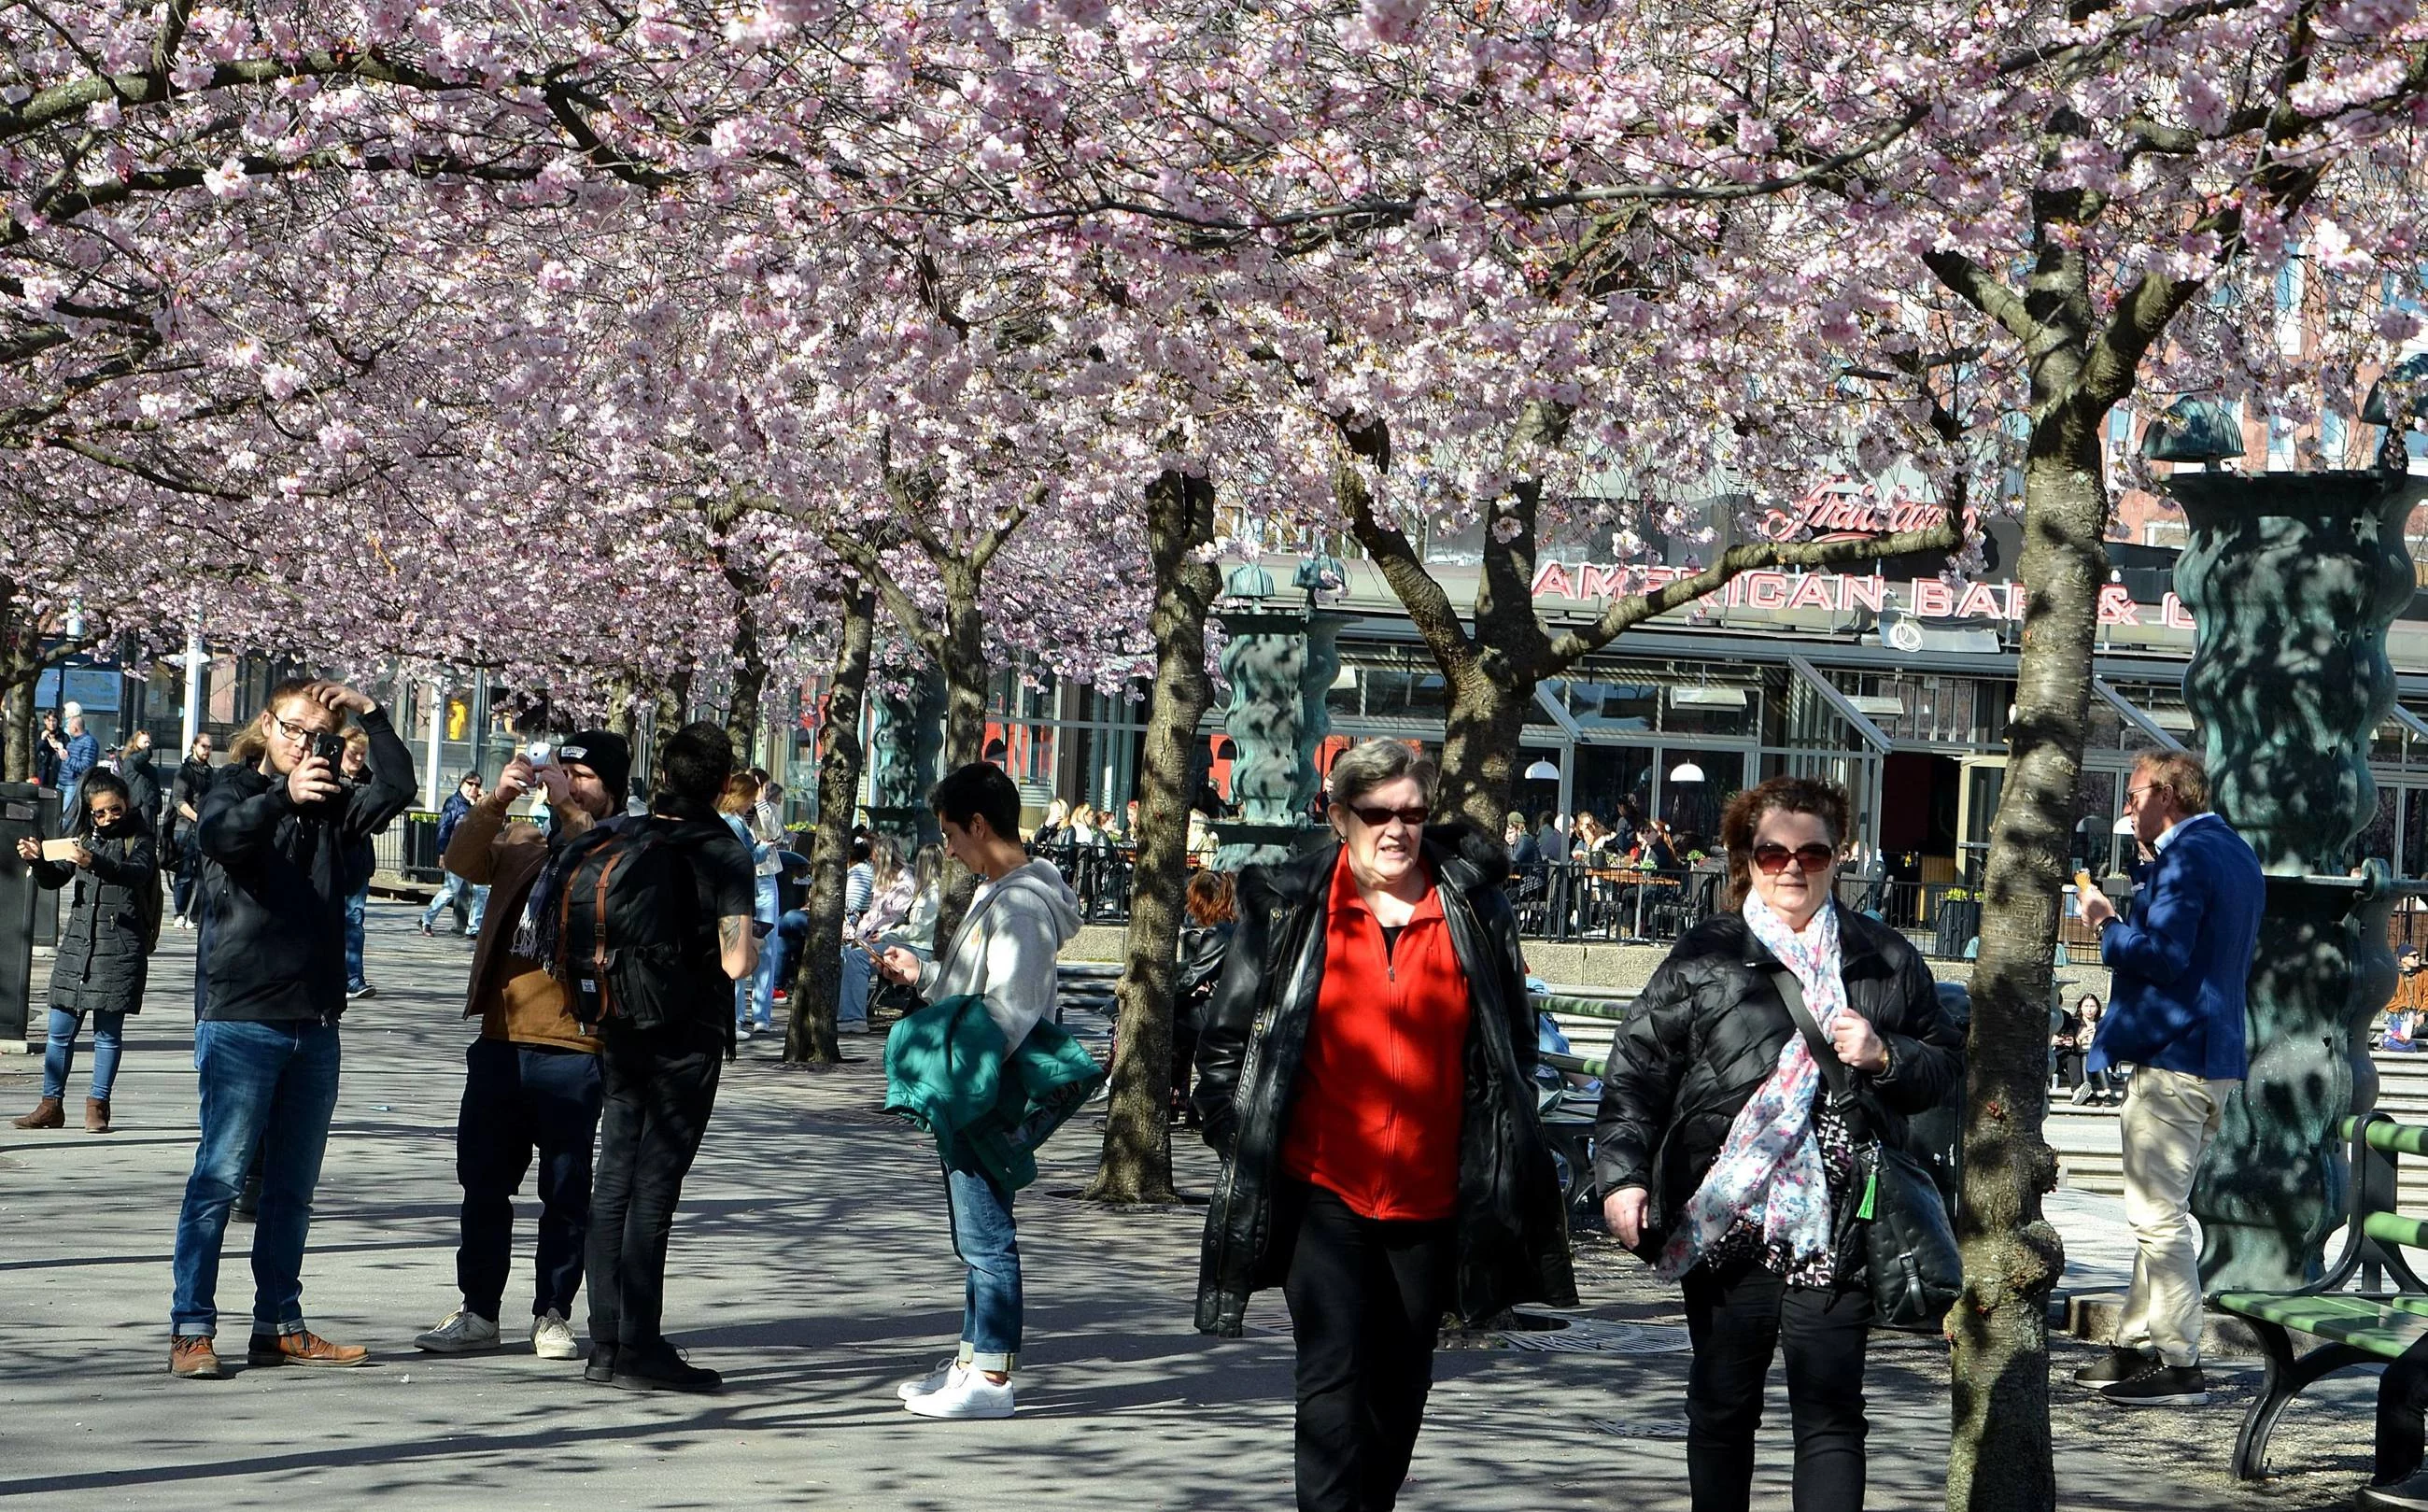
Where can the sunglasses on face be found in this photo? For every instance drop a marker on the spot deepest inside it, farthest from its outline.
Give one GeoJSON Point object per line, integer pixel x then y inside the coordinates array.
{"type": "Point", "coordinates": [1772, 859]}
{"type": "Point", "coordinates": [107, 816]}
{"type": "Point", "coordinates": [1376, 818]}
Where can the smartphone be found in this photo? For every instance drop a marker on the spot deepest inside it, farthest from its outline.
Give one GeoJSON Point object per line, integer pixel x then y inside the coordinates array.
{"type": "Point", "coordinates": [330, 748]}
{"type": "Point", "coordinates": [60, 849]}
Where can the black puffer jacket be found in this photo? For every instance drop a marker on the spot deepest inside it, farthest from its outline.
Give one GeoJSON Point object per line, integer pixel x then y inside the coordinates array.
{"type": "Point", "coordinates": [103, 940]}
{"type": "Point", "coordinates": [1513, 1239]}
{"type": "Point", "coordinates": [1707, 1031]}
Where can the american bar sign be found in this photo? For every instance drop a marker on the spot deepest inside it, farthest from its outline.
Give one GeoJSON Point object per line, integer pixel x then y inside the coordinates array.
{"type": "Point", "coordinates": [1837, 592]}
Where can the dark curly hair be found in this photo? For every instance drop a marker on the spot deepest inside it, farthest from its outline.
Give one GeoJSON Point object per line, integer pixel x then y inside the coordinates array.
{"type": "Point", "coordinates": [1826, 801]}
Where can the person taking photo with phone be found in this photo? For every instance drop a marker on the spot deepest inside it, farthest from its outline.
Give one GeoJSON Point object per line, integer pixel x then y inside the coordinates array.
{"type": "Point", "coordinates": [113, 918]}
{"type": "Point", "coordinates": [275, 837]}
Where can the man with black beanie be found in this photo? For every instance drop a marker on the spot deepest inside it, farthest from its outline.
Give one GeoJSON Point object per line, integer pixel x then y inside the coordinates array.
{"type": "Point", "coordinates": [660, 1082]}
{"type": "Point", "coordinates": [532, 1081]}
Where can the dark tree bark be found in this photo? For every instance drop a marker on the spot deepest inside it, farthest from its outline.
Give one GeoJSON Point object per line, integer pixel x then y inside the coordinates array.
{"type": "Point", "coordinates": [817, 972]}
{"type": "Point", "coordinates": [20, 757]}
{"type": "Point", "coordinates": [1136, 1166]}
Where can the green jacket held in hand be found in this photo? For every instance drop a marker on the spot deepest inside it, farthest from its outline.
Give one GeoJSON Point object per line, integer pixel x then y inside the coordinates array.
{"type": "Point", "coordinates": [945, 1070]}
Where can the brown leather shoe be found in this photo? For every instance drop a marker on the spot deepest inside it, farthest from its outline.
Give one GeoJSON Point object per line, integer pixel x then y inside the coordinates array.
{"type": "Point", "coordinates": [307, 1348]}
{"type": "Point", "coordinates": [193, 1359]}
{"type": "Point", "coordinates": [96, 1115]}
{"type": "Point", "coordinates": [48, 1113]}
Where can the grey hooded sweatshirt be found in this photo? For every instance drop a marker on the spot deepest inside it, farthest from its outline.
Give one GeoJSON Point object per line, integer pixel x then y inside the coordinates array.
{"type": "Point", "coordinates": [1005, 947]}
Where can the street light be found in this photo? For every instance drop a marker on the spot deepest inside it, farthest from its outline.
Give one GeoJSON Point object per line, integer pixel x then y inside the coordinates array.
{"type": "Point", "coordinates": [1685, 772]}
{"type": "Point", "coordinates": [1542, 771]}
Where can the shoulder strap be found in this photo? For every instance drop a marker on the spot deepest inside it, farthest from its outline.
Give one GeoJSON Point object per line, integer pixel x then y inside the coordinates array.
{"type": "Point", "coordinates": [1825, 1055]}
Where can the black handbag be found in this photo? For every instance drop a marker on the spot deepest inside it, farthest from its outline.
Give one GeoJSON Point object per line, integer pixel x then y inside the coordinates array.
{"type": "Point", "coordinates": [1907, 1245]}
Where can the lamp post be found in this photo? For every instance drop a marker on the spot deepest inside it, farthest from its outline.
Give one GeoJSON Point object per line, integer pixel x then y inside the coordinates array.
{"type": "Point", "coordinates": [2291, 581]}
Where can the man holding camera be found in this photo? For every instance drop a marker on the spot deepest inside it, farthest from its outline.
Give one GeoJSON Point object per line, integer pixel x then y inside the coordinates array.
{"type": "Point", "coordinates": [274, 836]}
{"type": "Point", "coordinates": [532, 1079]}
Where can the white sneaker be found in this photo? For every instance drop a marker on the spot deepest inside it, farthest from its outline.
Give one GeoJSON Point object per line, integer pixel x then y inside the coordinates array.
{"type": "Point", "coordinates": [461, 1332]}
{"type": "Point", "coordinates": [931, 1383]}
{"type": "Point", "coordinates": [552, 1336]}
{"type": "Point", "coordinates": [968, 1395]}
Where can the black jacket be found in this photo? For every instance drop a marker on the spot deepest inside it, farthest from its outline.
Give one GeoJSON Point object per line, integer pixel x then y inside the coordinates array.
{"type": "Point", "coordinates": [191, 785]}
{"type": "Point", "coordinates": [142, 781]}
{"type": "Point", "coordinates": [1512, 1234]}
{"type": "Point", "coordinates": [1707, 1031]}
{"type": "Point", "coordinates": [1203, 947]}
{"type": "Point", "coordinates": [278, 877]}
{"type": "Point", "coordinates": [104, 938]}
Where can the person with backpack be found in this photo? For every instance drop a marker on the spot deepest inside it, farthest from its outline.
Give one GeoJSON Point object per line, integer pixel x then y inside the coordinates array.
{"type": "Point", "coordinates": [113, 922]}
{"type": "Point", "coordinates": [532, 1080]}
{"type": "Point", "coordinates": [647, 924]}
{"type": "Point", "coordinates": [1003, 953]}
{"type": "Point", "coordinates": [275, 835]}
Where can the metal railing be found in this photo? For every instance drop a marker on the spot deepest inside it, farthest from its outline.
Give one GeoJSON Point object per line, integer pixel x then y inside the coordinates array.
{"type": "Point", "coordinates": [1099, 873]}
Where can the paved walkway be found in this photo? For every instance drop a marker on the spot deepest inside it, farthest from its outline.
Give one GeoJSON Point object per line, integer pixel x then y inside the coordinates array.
{"type": "Point", "coordinates": [811, 1265]}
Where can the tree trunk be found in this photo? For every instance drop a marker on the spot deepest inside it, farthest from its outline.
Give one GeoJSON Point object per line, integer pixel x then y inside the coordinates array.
{"type": "Point", "coordinates": [817, 972]}
{"type": "Point", "coordinates": [1136, 1161]}
{"type": "Point", "coordinates": [1999, 1456]}
{"type": "Point", "coordinates": [1479, 750]}
{"type": "Point", "coordinates": [961, 660]}
{"type": "Point", "coordinates": [749, 684]}
{"type": "Point", "coordinates": [20, 751]}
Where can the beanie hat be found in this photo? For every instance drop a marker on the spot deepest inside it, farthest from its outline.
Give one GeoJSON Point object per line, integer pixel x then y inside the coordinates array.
{"type": "Point", "coordinates": [604, 752]}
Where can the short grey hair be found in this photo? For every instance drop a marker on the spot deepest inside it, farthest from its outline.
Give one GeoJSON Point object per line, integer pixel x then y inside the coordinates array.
{"type": "Point", "coordinates": [1370, 764]}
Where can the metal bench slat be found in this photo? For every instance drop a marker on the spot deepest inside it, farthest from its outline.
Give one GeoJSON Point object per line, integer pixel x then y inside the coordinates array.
{"type": "Point", "coordinates": [2394, 1228]}
{"type": "Point", "coordinates": [2395, 1139]}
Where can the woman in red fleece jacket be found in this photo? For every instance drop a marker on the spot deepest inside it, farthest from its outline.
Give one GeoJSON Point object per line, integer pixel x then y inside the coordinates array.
{"type": "Point", "coordinates": [1378, 980]}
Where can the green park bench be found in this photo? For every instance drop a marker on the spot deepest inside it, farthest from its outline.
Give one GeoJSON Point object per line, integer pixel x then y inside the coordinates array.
{"type": "Point", "coordinates": [2358, 1327]}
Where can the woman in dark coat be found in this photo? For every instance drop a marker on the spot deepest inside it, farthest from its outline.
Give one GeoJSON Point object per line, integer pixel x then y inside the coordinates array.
{"type": "Point", "coordinates": [1723, 1164]}
{"type": "Point", "coordinates": [105, 943]}
{"type": "Point", "coordinates": [1205, 942]}
{"type": "Point", "coordinates": [1365, 1070]}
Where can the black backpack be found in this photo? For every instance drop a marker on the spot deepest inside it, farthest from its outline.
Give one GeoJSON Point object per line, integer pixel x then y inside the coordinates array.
{"type": "Point", "coordinates": [627, 926]}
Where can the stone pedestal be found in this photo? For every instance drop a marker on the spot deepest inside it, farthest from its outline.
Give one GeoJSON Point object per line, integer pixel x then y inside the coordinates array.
{"type": "Point", "coordinates": [1280, 664]}
{"type": "Point", "coordinates": [2293, 580]}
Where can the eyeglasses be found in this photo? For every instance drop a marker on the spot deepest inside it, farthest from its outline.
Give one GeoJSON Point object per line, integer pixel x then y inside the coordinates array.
{"type": "Point", "coordinates": [2133, 793]}
{"type": "Point", "coordinates": [1376, 818]}
{"type": "Point", "coordinates": [299, 733]}
{"type": "Point", "coordinates": [101, 816]}
{"type": "Point", "coordinates": [1772, 859]}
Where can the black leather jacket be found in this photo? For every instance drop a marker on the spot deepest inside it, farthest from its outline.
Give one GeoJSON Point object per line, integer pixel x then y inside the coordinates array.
{"type": "Point", "coordinates": [1707, 1031]}
{"type": "Point", "coordinates": [1513, 1240]}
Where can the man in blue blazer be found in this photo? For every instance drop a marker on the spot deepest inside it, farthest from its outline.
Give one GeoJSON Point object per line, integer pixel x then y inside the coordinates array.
{"type": "Point", "coordinates": [2175, 1013]}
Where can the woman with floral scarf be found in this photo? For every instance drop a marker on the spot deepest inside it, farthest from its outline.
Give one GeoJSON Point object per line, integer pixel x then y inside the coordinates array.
{"type": "Point", "coordinates": [1724, 1165]}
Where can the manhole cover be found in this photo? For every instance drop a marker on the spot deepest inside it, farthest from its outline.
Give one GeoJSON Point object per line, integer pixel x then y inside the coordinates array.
{"type": "Point", "coordinates": [1640, 1428]}
{"type": "Point", "coordinates": [1596, 1336]}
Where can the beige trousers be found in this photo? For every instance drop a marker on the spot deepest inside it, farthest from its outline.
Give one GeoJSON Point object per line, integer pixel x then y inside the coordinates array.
{"type": "Point", "coordinates": [2168, 1121]}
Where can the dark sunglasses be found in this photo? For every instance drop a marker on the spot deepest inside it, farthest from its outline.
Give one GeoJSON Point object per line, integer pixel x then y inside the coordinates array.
{"type": "Point", "coordinates": [1414, 818]}
{"type": "Point", "coordinates": [1809, 859]}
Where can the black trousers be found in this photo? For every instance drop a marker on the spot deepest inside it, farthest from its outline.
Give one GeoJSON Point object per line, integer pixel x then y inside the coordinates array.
{"type": "Point", "coordinates": [1366, 1298]}
{"type": "Point", "coordinates": [1738, 1319]}
{"type": "Point", "coordinates": [661, 1086]}
{"type": "Point", "coordinates": [518, 1100]}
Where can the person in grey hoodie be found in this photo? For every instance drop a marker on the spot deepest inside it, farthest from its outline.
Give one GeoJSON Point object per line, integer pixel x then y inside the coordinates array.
{"type": "Point", "coordinates": [1003, 953]}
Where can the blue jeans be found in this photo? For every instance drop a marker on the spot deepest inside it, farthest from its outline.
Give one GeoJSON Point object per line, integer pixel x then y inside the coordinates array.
{"type": "Point", "coordinates": [452, 889]}
{"type": "Point", "coordinates": [190, 871]}
{"type": "Point", "coordinates": [354, 907]}
{"type": "Point", "coordinates": [785, 943]}
{"type": "Point", "coordinates": [852, 1007]}
{"type": "Point", "coordinates": [754, 998]}
{"type": "Point", "coordinates": [267, 1086]}
{"type": "Point", "coordinates": [984, 1239]}
{"type": "Point", "coordinates": [59, 1057]}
